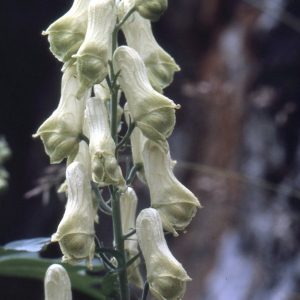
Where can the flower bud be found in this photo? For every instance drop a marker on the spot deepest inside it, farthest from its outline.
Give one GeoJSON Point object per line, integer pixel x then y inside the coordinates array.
{"type": "Point", "coordinates": [138, 33]}
{"type": "Point", "coordinates": [67, 33]}
{"type": "Point", "coordinates": [128, 202]}
{"type": "Point", "coordinates": [60, 132]}
{"type": "Point", "coordinates": [137, 144]}
{"type": "Point", "coordinates": [57, 284]}
{"type": "Point", "coordinates": [166, 276]}
{"type": "Point", "coordinates": [152, 112]}
{"type": "Point", "coordinates": [151, 9]}
{"type": "Point", "coordinates": [75, 232]}
{"type": "Point", "coordinates": [174, 202]}
{"type": "Point", "coordinates": [92, 56]}
{"type": "Point", "coordinates": [102, 91]}
{"type": "Point", "coordinates": [105, 168]}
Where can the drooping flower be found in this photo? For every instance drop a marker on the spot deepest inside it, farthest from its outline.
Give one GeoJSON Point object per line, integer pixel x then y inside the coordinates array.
{"type": "Point", "coordinates": [93, 54]}
{"type": "Point", "coordinates": [152, 112]}
{"type": "Point", "coordinates": [128, 203]}
{"type": "Point", "coordinates": [105, 168]}
{"type": "Point", "coordinates": [57, 284]}
{"type": "Point", "coordinates": [75, 233]}
{"type": "Point", "coordinates": [60, 132]}
{"type": "Point", "coordinates": [137, 30]}
{"type": "Point", "coordinates": [67, 33]}
{"type": "Point", "coordinates": [166, 276]}
{"type": "Point", "coordinates": [175, 203]}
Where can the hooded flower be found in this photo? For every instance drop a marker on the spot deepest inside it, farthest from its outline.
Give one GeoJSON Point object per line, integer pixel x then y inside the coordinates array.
{"type": "Point", "coordinates": [166, 276]}
{"type": "Point", "coordinates": [105, 168]}
{"type": "Point", "coordinates": [60, 132]}
{"type": "Point", "coordinates": [92, 56]}
{"type": "Point", "coordinates": [57, 284]}
{"type": "Point", "coordinates": [75, 233]}
{"type": "Point", "coordinates": [128, 202]}
{"type": "Point", "coordinates": [152, 112]}
{"type": "Point", "coordinates": [174, 202]}
{"type": "Point", "coordinates": [160, 65]}
{"type": "Point", "coordinates": [67, 33]}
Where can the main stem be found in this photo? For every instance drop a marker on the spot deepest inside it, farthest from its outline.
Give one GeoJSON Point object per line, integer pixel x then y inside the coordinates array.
{"type": "Point", "coordinates": [116, 210]}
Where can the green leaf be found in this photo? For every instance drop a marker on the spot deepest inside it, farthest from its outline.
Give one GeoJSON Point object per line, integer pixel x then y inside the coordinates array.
{"type": "Point", "coordinates": [30, 245]}
{"type": "Point", "coordinates": [29, 265]}
{"type": "Point", "coordinates": [108, 285]}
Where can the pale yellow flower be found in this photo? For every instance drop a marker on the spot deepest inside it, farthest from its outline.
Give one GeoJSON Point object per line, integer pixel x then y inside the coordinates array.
{"type": "Point", "coordinates": [67, 33]}
{"type": "Point", "coordinates": [75, 233]}
{"type": "Point", "coordinates": [128, 203]}
{"type": "Point", "coordinates": [175, 203]}
{"type": "Point", "coordinates": [138, 33]}
{"type": "Point", "coordinates": [57, 284]}
{"type": "Point", "coordinates": [105, 168]}
{"type": "Point", "coordinates": [152, 112]}
{"type": "Point", "coordinates": [60, 132]}
{"type": "Point", "coordinates": [166, 276]}
{"type": "Point", "coordinates": [93, 54]}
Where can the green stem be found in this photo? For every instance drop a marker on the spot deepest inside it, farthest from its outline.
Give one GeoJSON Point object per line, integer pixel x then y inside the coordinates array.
{"type": "Point", "coordinates": [119, 242]}
{"type": "Point", "coordinates": [145, 291]}
{"type": "Point", "coordinates": [128, 234]}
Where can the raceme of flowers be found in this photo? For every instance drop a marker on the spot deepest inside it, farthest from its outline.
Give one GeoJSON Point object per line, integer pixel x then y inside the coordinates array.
{"type": "Point", "coordinates": [95, 72]}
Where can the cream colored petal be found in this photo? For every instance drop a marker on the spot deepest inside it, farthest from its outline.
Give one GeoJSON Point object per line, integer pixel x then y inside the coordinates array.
{"type": "Point", "coordinates": [75, 232]}
{"type": "Point", "coordinates": [57, 284]}
{"type": "Point", "coordinates": [67, 33]}
{"type": "Point", "coordinates": [174, 202]}
{"type": "Point", "coordinates": [128, 202]}
{"type": "Point", "coordinates": [60, 132]}
{"type": "Point", "coordinates": [105, 169]}
{"type": "Point", "coordinates": [153, 113]}
{"type": "Point", "coordinates": [166, 276]}
{"type": "Point", "coordinates": [93, 54]}
{"type": "Point", "coordinates": [137, 30]}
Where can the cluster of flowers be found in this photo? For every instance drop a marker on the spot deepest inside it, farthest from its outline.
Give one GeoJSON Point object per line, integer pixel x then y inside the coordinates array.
{"type": "Point", "coordinates": [83, 39]}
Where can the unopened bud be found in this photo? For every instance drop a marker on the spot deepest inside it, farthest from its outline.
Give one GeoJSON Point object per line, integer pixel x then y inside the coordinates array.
{"type": "Point", "coordinates": [151, 9]}
{"type": "Point", "coordinates": [57, 284]}
{"type": "Point", "coordinates": [128, 202]}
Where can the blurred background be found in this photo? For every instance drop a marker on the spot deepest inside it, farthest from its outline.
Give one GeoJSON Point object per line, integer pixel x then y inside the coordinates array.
{"type": "Point", "coordinates": [236, 141]}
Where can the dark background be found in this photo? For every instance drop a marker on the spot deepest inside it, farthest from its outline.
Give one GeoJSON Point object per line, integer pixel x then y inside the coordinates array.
{"type": "Point", "coordinates": [238, 128]}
